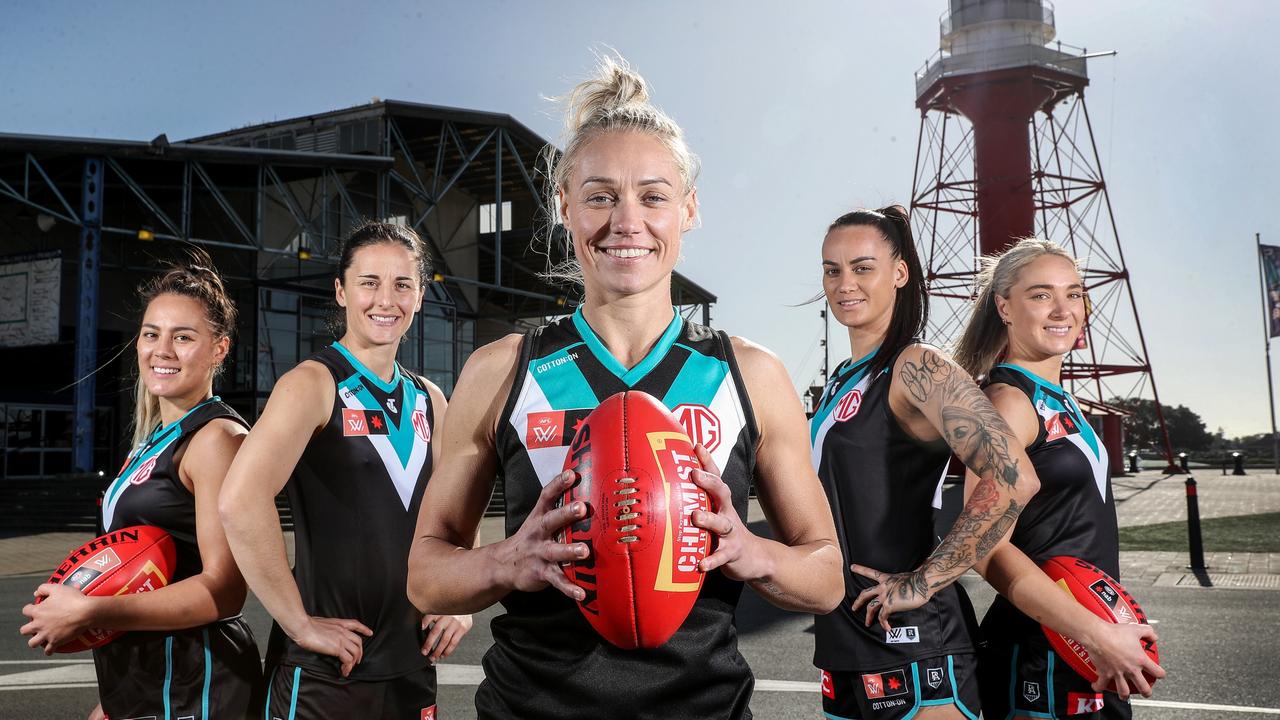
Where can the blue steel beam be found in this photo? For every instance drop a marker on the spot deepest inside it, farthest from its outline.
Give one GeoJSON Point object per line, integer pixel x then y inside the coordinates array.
{"type": "Point", "coordinates": [87, 311]}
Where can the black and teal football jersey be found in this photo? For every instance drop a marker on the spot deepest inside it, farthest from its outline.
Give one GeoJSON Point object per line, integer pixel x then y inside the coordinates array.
{"type": "Point", "coordinates": [148, 490]}
{"type": "Point", "coordinates": [883, 486]}
{"type": "Point", "coordinates": [547, 661]}
{"type": "Point", "coordinates": [354, 495]}
{"type": "Point", "coordinates": [210, 671]}
{"type": "Point", "coordinates": [1074, 512]}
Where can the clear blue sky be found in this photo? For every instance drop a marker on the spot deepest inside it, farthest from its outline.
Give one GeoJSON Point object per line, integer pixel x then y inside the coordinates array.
{"type": "Point", "coordinates": [798, 116]}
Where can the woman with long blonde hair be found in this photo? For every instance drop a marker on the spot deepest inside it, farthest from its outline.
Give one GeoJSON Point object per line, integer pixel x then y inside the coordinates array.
{"type": "Point", "coordinates": [1029, 313]}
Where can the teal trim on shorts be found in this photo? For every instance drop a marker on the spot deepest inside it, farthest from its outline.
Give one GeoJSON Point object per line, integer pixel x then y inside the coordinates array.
{"type": "Point", "coordinates": [168, 673]}
{"type": "Point", "coordinates": [1053, 713]}
{"type": "Point", "coordinates": [293, 697]}
{"type": "Point", "coordinates": [830, 716]}
{"type": "Point", "coordinates": [1013, 690]}
{"type": "Point", "coordinates": [266, 709]}
{"type": "Point", "coordinates": [208, 676]}
{"type": "Point", "coordinates": [955, 691]}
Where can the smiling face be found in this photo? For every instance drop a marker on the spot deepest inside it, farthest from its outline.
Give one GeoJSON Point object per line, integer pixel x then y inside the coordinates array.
{"type": "Point", "coordinates": [861, 277]}
{"type": "Point", "coordinates": [381, 291]}
{"type": "Point", "coordinates": [177, 349]}
{"type": "Point", "coordinates": [1045, 309]}
{"type": "Point", "coordinates": [626, 209]}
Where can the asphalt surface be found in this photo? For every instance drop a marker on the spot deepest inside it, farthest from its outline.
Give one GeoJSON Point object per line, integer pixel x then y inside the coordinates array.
{"type": "Point", "coordinates": [1218, 643]}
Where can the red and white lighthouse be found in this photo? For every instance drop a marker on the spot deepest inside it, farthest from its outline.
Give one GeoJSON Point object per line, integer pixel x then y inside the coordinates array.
{"type": "Point", "coordinates": [1006, 151]}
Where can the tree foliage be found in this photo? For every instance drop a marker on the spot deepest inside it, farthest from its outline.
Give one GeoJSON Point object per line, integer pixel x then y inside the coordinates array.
{"type": "Point", "coordinates": [1187, 432]}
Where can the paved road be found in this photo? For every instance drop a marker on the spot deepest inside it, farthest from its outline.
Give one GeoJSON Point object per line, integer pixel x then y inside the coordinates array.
{"type": "Point", "coordinates": [1218, 643]}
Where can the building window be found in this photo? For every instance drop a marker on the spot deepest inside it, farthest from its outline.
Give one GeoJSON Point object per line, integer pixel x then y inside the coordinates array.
{"type": "Point", "coordinates": [489, 218]}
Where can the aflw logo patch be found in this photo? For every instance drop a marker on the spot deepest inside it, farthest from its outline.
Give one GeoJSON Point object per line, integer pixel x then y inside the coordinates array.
{"type": "Point", "coordinates": [553, 429]}
{"type": "Point", "coordinates": [901, 635]}
{"type": "Point", "coordinates": [356, 423]}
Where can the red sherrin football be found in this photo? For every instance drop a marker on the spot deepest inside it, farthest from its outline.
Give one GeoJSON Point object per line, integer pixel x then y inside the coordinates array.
{"type": "Point", "coordinates": [641, 578]}
{"type": "Point", "coordinates": [129, 560]}
{"type": "Point", "coordinates": [1103, 596]}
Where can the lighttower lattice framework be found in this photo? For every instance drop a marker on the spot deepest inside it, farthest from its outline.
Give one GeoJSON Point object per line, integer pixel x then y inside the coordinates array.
{"type": "Point", "coordinates": [1006, 150]}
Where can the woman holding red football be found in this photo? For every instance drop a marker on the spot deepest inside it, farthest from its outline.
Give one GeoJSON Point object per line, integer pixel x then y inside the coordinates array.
{"type": "Point", "coordinates": [624, 191]}
{"type": "Point", "coordinates": [1029, 313]}
{"type": "Point", "coordinates": [187, 651]}
{"type": "Point", "coordinates": [348, 434]}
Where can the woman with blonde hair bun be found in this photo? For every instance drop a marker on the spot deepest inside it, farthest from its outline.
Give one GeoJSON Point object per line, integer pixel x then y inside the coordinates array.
{"type": "Point", "coordinates": [1029, 313]}
{"type": "Point", "coordinates": [624, 191]}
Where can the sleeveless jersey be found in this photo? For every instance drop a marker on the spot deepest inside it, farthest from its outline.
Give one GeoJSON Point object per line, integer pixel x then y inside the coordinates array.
{"type": "Point", "coordinates": [355, 495]}
{"type": "Point", "coordinates": [209, 669]}
{"type": "Point", "coordinates": [546, 660]}
{"type": "Point", "coordinates": [883, 486]}
{"type": "Point", "coordinates": [1074, 513]}
{"type": "Point", "coordinates": [148, 490]}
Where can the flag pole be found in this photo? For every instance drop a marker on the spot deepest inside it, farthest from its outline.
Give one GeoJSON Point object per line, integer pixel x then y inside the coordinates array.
{"type": "Point", "coordinates": [1266, 334]}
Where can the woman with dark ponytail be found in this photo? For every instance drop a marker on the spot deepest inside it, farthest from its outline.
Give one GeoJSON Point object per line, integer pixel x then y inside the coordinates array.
{"type": "Point", "coordinates": [188, 652]}
{"type": "Point", "coordinates": [348, 434]}
{"type": "Point", "coordinates": [883, 434]}
{"type": "Point", "coordinates": [1029, 312]}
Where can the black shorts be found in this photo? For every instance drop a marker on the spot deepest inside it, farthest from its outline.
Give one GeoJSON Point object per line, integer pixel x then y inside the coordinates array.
{"type": "Point", "coordinates": [1029, 678]}
{"type": "Point", "coordinates": [206, 672]}
{"type": "Point", "coordinates": [900, 692]}
{"type": "Point", "coordinates": [295, 693]}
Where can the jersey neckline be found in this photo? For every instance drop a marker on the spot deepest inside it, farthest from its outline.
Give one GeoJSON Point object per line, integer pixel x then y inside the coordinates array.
{"type": "Point", "coordinates": [1036, 378]}
{"type": "Point", "coordinates": [610, 363]}
{"type": "Point", "coordinates": [384, 385]}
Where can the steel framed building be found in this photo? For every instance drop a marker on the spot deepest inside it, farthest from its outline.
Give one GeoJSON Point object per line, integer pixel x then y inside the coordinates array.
{"type": "Point", "coordinates": [270, 203]}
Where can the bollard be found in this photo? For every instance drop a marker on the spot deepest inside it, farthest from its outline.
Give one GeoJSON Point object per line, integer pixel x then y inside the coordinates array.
{"type": "Point", "coordinates": [1239, 461]}
{"type": "Point", "coordinates": [1193, 527]}
{"type": "Point", "coordinates": [1182, 458]}
{"type": "Point", "coordinates": [1133, 462]}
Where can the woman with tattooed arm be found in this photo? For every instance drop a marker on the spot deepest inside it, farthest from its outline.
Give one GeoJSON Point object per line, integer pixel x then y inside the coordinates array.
{"type": "Point", "coordinates": [883, 434]}
{"type": "Point", "coordinates": [1029, 311]}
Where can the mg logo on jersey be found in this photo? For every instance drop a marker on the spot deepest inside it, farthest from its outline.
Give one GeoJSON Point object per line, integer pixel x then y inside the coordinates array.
{"type": "Point", "coordinates": [828, 688]}
{"type": "Point", "coordinates": [420, 426]}
{"type": "Point", "coordinates": [143, 473]}
{"type": "Point", "coordinates": [848, 405]}
{"type": "Point", "coordinates": [700, 424]}
{"type": "Point", "coordinates": [1080, 703]}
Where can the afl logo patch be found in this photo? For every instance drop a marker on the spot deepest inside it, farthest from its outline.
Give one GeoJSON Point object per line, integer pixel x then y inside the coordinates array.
{"type": "Point", "coordinates": [848, 405]}
{"type": "Point", "coordinates": [420, 426]}
{"type": "Point", "coordinates": [143, 473]}
{"type": "Point", "coordinates": [702, 425]}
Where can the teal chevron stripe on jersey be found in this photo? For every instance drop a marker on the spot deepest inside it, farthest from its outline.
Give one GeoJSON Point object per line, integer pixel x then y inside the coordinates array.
{"type": "Point", "coordinates": [698, 380]}
{"type": "Point", "coordinates": [560, 381]}
{"type": "Point", "coordinates": [387, 386]}
{"type": "Point", "coordinates": [635, 374]}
